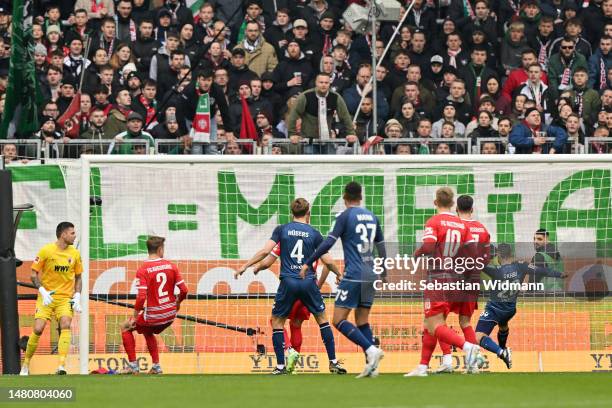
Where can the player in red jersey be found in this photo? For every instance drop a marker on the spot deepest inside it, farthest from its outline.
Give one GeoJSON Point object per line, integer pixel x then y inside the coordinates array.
{"type": "Point", "coordinates": [445, 240]}
{"type": "Point", "coordinates": [155, 279]}
{"type": "Point", "coordinates": [465, 307]}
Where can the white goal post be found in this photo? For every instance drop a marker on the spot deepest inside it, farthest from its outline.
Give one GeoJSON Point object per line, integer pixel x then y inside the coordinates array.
{"type": "Point", "coordinates": [530, 175]}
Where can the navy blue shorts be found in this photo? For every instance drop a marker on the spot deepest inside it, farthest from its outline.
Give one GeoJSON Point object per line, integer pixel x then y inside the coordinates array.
{"type": "Point", "coordinates": [491, 317]}
{"type": "Point", "coordinates": [352, 295]}
{"type": "Point", "coordinates": [292, 289]}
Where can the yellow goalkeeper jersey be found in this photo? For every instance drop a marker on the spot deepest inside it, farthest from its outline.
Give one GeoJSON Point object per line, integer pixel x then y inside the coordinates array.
{"type": "Point", "coordinates": [58, 268]}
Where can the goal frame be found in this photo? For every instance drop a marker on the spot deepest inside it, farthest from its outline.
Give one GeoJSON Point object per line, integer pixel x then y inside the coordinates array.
{"type": "Point", "coordinates": [87, 161]}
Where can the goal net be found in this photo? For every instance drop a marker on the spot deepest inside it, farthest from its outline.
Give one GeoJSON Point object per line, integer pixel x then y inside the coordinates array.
{"type": "Point", "coordinates": [215, 213]}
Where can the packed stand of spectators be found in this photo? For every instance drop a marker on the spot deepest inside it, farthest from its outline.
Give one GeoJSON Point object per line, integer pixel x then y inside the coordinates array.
{"type": "Point", "coordinates": [521, 76]}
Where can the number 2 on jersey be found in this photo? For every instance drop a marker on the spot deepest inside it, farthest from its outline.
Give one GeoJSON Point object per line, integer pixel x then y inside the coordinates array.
{"type": "Point", "coordinates": [163, 278]}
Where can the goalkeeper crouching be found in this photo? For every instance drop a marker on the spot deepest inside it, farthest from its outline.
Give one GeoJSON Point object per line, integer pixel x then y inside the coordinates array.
{"type": "Point", "coordinates": [56, 272]}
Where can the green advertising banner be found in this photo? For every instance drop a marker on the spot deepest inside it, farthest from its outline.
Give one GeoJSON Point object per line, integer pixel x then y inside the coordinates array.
{"type": "Point", "coordinates": [220, 212]}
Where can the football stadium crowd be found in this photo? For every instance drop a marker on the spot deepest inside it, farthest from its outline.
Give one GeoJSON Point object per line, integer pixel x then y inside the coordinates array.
{"type": "Point", "coordinates": [293, 77]}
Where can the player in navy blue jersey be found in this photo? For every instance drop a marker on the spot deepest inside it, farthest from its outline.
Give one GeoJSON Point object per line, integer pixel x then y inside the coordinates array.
{"type": "Point", "coordinates": [502, 305]}
{"type": "Point", "coordinates": [298, 241]}
{"type": "Point", "coordinates": [360, 232]}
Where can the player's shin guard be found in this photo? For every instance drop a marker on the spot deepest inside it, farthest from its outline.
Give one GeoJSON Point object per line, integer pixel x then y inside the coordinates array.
{"type": "Point", "coordinates": [31, 347]}
{"type": "Point", "coordinates": [328, 339]}
{"type": "Point", "coordinates": [353, 334]}
{"type": "Point", "coordinates": [129, 344]}
{"type": "Point", "coordinates": [488, 344]}
{"type": "Point", "coordinates": [278, 341]}
{"type": "Point", "coordinates": [296, 337]}
{"type": "Point", "coordinates": [429, 345]}
{"type": "Point", "coordinates": [152, 347]}
{"type": "Point", "coordinates": [366, 330]}
{"type": "Point", "coordinates": [63, 345]}
{"type": "Point", "coordinates": [447, 335]}
{"type": "Point", "coordinates": [469, 334]}
{"type": "Point", "coordinates": [502, 337]}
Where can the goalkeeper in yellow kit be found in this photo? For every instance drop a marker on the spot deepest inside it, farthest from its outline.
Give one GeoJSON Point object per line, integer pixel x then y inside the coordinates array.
{"type": "Point", "coordinates": [56, 272]}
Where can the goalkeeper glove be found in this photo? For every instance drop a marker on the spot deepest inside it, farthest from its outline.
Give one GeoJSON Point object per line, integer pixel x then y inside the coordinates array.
{"type": "Point", "coordinates": [76, 302]}
{"type": "Point", "coordinates": [46, 296]}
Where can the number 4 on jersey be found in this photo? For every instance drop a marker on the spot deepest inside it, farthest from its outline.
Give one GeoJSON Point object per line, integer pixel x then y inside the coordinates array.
{"type": "Point", "coordinates": [297, 251]}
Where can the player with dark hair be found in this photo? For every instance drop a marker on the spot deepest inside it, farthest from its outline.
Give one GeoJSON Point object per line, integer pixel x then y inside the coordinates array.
{"type": "Point", "coordinates": [465, 307]}
{"type": "Point", "coordinates": [155, 280]}
{"type": "Point", "coordinates": [360, 232]}
{"type": "Point", "coordinates": [56, 272]}
{"type": "Point", "coordinates": [445, 235]}
{"type": "Point", "coordinates": [502, 305]}
{"type": "Point", "coordinates": [296, 240]}
{"type": "Point", "coordinates": [547, 255]}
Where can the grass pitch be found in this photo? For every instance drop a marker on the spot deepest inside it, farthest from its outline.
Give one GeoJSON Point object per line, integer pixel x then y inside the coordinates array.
{"type": "Point", "coordinates": [508, 390]}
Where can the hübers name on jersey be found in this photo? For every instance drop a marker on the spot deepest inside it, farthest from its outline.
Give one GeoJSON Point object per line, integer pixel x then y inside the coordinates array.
{"type": "Point", "coordinates": [295, 233]}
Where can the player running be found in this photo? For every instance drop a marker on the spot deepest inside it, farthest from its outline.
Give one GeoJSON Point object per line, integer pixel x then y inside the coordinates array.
{"type": "Point", "coordinates": [299, 313]}
{"type": "Point", "coordinates": [56, 272]}
{"type": "Point", "coordinates": [465, 308]}
{"type": "Point", "coordinates": [359, 231]}
{"type": "Point", "coordinates": [155, 280]}
{"type": "Point", "coordinates": [502, 306]}
{"type": "Point", "coordinates": [445, 235]}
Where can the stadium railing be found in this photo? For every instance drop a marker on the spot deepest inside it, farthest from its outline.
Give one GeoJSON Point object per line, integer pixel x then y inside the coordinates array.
{"type": "Point", "coordinates": [29, 149]}
{"type": "Point", "coordinates": [595, 145]}
{"type": "Point", "coordinates": [424, 145]}
{"type": "Point", "coordinates": [314, 146]}
{"type": "Point", "coordinates": [501, 143]}
{"type": "Point", "coordinates": [176, 146]}
{"type": "Point", "coordinates": [73, 148]}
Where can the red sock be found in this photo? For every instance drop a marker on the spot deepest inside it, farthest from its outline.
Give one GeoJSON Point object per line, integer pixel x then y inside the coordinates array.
{"type": "Point", "coordinates": [152, 346]}
{"type": "Point", "coordinates": [446, 348]}
{"type": "Point", "coordinates": [287, 341]}
{"type": "Point", "coordinates": [129, 343]}
{"type": "Point", "coordinates": [448, 335]}
{"type": "Point", "coordinates": [469, 334]}
{"type": "Point", "coordinates": [296, 337]}
{"type": "Point", "coordinates": [429, 345]}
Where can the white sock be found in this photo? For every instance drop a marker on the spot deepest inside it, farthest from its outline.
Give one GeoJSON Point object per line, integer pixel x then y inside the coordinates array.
{"type": "Point", "coordinates": [334, 361]}
{"type": "Point", "coordinates": [422, 368]}
{"type": "Point", "coordinates": [280, 366]}
{"type": "Point", "coordinates": [371, 349]}
{"type": "Point", "coordinates": [447, 359]}
{"type": "Point", "coordinates": [467, 347]}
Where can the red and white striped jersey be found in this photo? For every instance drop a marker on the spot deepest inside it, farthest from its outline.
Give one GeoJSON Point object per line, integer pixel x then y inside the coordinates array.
{"type": "Point", "coordinates": [155, 280]}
